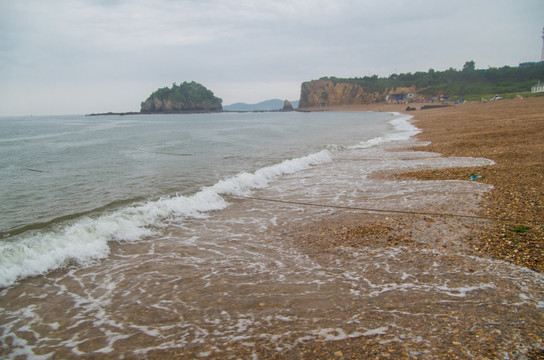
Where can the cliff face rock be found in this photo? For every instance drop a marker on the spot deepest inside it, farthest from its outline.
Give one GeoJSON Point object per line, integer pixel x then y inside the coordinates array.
{"type": "Point", "coordinates": [402, 90]}
{"type": "Point", "coordinates": [328, 93]}
{"type": "Point", "coordinates": [168, 106]}
{"type": "Point", "coordinates": [186, 97]}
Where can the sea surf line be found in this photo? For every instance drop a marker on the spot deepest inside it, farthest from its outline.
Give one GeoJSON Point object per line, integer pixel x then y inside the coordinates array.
{"type": "Point", "coordinates": [375, 210]}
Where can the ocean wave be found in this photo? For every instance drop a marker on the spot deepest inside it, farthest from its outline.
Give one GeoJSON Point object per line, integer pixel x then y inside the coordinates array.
{"type": "Point", "coordinates": [86, 240]}
{"type": "Point", "coordinates": [403, 129]}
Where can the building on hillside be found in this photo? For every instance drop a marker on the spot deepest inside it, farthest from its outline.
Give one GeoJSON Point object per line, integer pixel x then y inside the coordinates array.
{"type": "Point", "coordinates": [537, 87]}
{"type": "Point", "coordinates": [399, 98]}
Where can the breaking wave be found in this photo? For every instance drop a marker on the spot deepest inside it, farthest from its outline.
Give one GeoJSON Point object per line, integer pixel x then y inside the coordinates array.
{"type": "Point", "coordinates": [403, 130]}
{"type": "Point", "coordinates": [86, 240]}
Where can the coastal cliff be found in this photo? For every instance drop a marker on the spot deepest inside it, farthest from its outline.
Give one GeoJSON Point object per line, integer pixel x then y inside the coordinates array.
{"type": "Point", "coordinates": [186, 97]}
{"type": "Point", "coordinates": [449, 85]}
{"type": "Point", "coordinates": [326, 92]}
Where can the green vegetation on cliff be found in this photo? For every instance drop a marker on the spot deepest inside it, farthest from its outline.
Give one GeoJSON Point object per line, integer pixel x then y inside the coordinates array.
{"type": "Point", "coordinates": [456, 83]}
{"type": "Point", "coordinates": [185, 97]}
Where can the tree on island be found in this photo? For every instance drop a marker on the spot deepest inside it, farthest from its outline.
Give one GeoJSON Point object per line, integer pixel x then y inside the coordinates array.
{"type": "Point", "coordinates": [469, 66]}
{"type": "Point", "coordinates": [185, 97]}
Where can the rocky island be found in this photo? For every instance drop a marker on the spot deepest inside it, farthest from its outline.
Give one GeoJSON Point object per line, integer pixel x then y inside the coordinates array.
{"type": "Point", "coordinates": [182, 98]}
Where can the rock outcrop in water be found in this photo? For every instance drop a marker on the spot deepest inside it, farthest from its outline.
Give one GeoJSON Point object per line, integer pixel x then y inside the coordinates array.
{"type": "Point", "coordinates": [186, 97]}
{"type": "Point", "coordinates": [287, 106]}
{"type": "Point", "coordinates": [326, 92]}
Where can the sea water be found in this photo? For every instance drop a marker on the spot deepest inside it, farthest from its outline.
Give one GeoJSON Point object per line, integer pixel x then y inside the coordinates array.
{"type": "Point", "coordinates": [173, 235]}
{"type": "Point", "coordinates": [71, 184]}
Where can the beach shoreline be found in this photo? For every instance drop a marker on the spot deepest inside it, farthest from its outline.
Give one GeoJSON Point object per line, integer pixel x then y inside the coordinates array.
{"type": "Point", "coordinates": [508, 132]}
{"type": "Point", "coordinates": [508, 225]}
{"type": "Point", "coordinates": [351, 259]}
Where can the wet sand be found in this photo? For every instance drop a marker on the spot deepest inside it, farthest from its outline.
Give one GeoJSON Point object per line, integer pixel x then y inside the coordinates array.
{"type": "Point", "coordinates": [509, 132]}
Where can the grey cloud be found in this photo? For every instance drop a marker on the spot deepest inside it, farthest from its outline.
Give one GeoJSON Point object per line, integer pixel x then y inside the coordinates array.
{"type": "Point", "coordinates": [125, 49]}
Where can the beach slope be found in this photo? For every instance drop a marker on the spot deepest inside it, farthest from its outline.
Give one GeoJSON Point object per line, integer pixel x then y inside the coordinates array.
{"type": "Point", "coordinates": [511, 133]}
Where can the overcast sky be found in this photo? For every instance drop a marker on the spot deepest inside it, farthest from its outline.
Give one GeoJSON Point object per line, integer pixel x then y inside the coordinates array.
{"type": "Point", "coordinates": [82, 56]}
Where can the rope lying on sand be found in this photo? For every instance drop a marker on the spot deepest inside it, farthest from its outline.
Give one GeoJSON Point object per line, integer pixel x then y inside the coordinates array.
{"type": "Point", "coordinates": [387, 211]}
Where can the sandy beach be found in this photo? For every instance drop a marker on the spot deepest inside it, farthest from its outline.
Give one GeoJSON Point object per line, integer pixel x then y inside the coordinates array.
{"type": "Point", "coordinates": [509, 225]}
{"type": "Point", "coordinates": [509, 132]}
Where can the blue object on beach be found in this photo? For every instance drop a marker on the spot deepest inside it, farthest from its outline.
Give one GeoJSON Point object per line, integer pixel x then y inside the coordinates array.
{"type": "Point", "coordinates": [474, 177]}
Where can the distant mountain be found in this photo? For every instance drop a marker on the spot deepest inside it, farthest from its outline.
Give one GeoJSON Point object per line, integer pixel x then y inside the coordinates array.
{"type": "Point", "coordinates": [268, 105]}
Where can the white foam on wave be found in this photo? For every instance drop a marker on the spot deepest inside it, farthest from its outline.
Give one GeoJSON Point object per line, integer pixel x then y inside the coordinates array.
{"type": "Point", "coordinates": [86, 240]}
{"type": "Point", "coordinates": [403, 130]}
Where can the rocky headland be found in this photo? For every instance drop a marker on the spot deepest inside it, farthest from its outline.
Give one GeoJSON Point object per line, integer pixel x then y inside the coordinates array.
{"type": "Point", "coordinates": [450, 86]}
{"type": "Point", "coordinates": [326, 92]}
